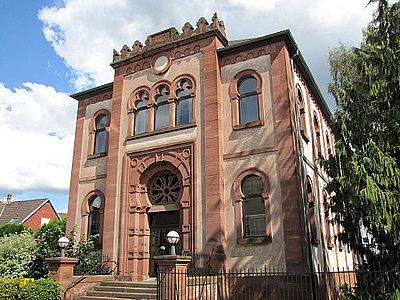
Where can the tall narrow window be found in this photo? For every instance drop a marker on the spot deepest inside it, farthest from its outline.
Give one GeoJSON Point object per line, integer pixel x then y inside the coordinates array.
{"type": "Point", "coordinates": [100, 140]}
{"type": "Point", "coordinates": [328, 224]}
{"type": "Point", "coordinates": [95, 217]}
{"type": "Point", "coordinates": [302, 114]}
{"type": "Point", "coordinates": [253, 207]}
{"type": "Point", "coordinates": [161, 115]}
{"type": "Point", "coordinates": [328, 146]}
{"type": "Point", "coordinates": [141, 114]}
{"type": "Point", "coordinates": [248, 100]}
{"type": "Point", "coordinates": [184, 103]}
{"type": "Point", "coordinates": [317, 136]}
{"type": "Point", "coordinates": [311, 213]}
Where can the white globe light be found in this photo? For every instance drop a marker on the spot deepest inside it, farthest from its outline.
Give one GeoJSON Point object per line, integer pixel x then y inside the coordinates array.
{"type": "Point", "coordinates": [63, 242]}
{"type": "Point", "coordinates": [173, 237]}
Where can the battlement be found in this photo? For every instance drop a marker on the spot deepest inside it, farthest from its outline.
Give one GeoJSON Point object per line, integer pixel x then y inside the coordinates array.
{"type": "Point", "coordinates": [167, 36]}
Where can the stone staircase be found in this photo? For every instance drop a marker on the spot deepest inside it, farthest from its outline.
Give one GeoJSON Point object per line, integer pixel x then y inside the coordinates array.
{"type": "Point", "coordinates": [123, 290]}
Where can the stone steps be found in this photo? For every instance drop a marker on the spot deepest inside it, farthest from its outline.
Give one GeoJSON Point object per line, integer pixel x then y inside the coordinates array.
{"type": "Point", "coordinates": [123, 290]}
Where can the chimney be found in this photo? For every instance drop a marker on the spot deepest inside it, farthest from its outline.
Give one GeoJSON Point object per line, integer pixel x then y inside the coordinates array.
{"type": "Point", "coordinates": [9, 199]}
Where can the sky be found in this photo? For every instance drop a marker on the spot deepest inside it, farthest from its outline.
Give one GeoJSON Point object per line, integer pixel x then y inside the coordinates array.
{"type": "Point", "coordinates": [50, 49]}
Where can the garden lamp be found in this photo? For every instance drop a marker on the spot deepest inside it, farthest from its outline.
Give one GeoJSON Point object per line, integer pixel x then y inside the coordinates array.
{"type": "Point", "coordinates": [173, 239]}
{"type": "Point", "coordinates": [63, 243]}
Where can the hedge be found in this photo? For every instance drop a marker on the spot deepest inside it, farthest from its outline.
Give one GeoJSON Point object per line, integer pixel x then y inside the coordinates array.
{"type": "Point", "coordinates": [43, 288]}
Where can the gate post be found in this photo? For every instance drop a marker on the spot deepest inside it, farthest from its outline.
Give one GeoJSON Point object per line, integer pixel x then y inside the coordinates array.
{"type": "Point", "coordinates": [172, 276]}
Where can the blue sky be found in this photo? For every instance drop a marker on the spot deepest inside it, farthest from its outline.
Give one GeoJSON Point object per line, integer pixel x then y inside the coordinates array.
{"type": "Point", "coordinates": [50, 49]}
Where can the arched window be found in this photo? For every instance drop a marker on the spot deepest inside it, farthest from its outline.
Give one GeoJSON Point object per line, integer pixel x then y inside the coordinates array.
{"type": "Point", "coordinates": [95, 204]}
{"type": "Point", "coordinates": [92, 216]}
{"type": "Point", "coordinates": [328, 146]}
{"type": "Point", "coordinates": [100, 140]}
{"type": "Point", "coordinates": [248, 100]}
{"type": "Point", "coordinates": [253, 207]}
{"type": "Point", "coordinates": [328, 223]}
{"type": "Point", "coordinates": [161, 113]}
{"type": "Point", "coordinates": [302, 114]}
{"type": "Point", "coordinates": [317, 136]}
{"type": "Point", "coordinates": [141, 114]}
{"type": "Point", "coordinates": [184, 103]}
{"type": "Point", "coordinates": [311, 212]}
{"type": "Point", "coordinates": [245, 93]}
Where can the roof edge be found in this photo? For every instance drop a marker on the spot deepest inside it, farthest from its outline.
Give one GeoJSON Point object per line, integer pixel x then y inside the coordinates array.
{"type": "Point", "coordinates": [295, 54]}
{"type": "Point", "coordinates": [81, 95]}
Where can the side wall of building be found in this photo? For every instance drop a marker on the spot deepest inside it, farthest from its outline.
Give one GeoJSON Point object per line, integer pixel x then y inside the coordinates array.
{"type": "Point", "coordinates": [46, 211]}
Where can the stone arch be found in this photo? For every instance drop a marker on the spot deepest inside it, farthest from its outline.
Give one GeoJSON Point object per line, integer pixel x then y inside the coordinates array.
{"type": "Point", "coordinates": [136, 206]}
{"type": "Point", "coordinates": [85, 210]}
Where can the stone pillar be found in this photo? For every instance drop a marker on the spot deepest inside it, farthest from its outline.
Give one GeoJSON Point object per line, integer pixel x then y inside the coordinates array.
{"type": "Point", "coordinates": [172, 276]}
{"type": "Point", "coordinates": [61, 269]}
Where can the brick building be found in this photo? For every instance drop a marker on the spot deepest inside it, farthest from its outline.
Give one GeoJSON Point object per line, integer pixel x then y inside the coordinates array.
{"type": "Point", "coordinates": [31, 213]}
{"type": "Point", "coordinates": [216, 139]}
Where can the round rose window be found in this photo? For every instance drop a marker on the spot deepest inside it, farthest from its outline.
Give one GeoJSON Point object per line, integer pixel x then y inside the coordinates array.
{"type": "Point", "coordinates": [165, 188]}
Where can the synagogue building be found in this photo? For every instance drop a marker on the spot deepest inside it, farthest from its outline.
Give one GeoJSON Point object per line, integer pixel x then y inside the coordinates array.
{"type": "Point", "coordinates": [216, 139]}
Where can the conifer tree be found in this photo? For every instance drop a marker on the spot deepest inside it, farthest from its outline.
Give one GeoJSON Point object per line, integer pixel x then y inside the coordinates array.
{"type": "Point", "coordinates": [365, 168]}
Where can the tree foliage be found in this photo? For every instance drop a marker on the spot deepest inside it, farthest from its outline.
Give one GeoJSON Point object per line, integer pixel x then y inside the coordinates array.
{"type": "Point", "coordinates": [13, 228]}
{"type": "Point", "coordinates": [16, 254]}
{"type": "Point", "coordinates": [365, 169]}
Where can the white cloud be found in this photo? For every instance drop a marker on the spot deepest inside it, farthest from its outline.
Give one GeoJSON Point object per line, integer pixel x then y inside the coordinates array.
{"type": "Point", "coordinates": [36, 127]}
{"type": "Point", "coordinates": [340, 14]}
{"type": "Point", "coordinates": [84, 32]}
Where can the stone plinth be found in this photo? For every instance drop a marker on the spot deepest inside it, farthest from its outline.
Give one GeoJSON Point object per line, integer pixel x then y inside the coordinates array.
{"type": "Point", "coordinates": [61, 269]}
{"type": "Point", "coordinates": [173, 276]}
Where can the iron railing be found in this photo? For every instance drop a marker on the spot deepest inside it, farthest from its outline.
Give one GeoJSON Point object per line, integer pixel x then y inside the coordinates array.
{"type": "Point", "coordinates": [271, 284]}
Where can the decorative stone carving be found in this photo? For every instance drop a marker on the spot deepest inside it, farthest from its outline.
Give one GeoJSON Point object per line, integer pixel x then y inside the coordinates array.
{"type": "Point", "coordinates": [168, 36]}
{"type": "Point", "coordinates": [187, 29]}
{"type": "Point", "coordinates": [125, 52]}
{"type": "Point", "coordinates": [202, 25]}
{"type": "Point", "coordinates": [159, 178]}
{"type": "Point", "coordinates": [136, 47]}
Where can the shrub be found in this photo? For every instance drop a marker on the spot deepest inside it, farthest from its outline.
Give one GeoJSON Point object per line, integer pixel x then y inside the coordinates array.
{"type": "Point", "coordinates": [90, 260]}
{"type": "Point", "coordinates": [13, 228]}
{"type": "Point", "coordinates": [16, 254]}
{"type": "Point", "coordinates": [49, 234]}
{"type": "Point", "coordinates": [9, 289]}
{"type": "Point", "coordinates": [43, 288]}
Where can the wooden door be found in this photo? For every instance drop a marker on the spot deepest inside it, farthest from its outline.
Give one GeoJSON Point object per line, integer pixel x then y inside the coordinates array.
{"type": "Point", "coordinates": [160, 224]}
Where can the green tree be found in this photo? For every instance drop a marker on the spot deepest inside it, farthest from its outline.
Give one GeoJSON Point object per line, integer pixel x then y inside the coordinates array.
{"type": "Point", "coordinates": [365, 169]}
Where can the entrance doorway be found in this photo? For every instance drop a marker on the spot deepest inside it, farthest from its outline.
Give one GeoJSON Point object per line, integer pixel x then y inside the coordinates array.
{"type": "Point", "coordinates": [160, 224]}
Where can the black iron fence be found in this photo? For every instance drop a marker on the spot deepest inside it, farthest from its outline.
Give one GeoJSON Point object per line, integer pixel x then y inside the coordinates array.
{"type": "Point", "coordinates": [277, 284]}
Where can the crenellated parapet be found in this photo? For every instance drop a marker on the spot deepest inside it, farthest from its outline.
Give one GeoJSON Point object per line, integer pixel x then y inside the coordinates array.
{"type": "Point", "coordinates": [168, 36]}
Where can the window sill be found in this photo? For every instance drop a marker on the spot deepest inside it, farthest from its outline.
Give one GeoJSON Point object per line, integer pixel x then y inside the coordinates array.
{"type": "Point", "coordinates": [248, 125]}
{"type": "Point", "coordinates": [97, 155]}
{"type": "Point", "coordinates": [160, 131]}
{"type": "Point", "coordinates": [257, 240]}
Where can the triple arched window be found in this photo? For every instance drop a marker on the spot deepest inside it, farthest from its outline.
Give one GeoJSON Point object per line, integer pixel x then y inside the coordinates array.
{"type": "Point", "coordinates": [165, 105]}
{"type": "Point", "coordinates": [98, 138]}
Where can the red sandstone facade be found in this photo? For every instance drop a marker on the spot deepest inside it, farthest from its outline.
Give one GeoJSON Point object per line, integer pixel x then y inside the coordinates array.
{"type": "Point", "coordinates": [204, 160]}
